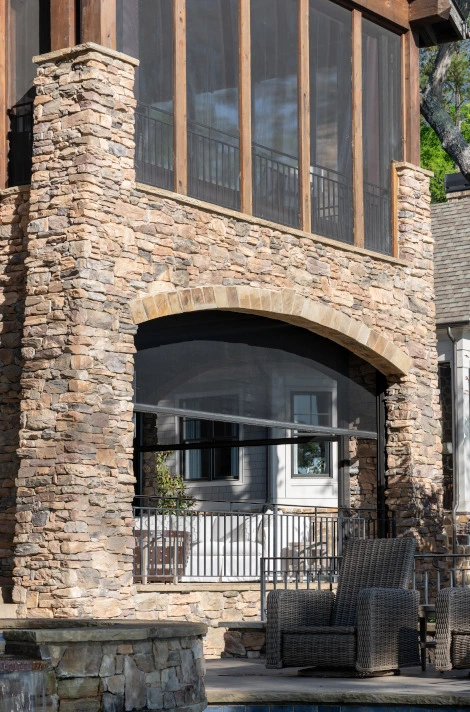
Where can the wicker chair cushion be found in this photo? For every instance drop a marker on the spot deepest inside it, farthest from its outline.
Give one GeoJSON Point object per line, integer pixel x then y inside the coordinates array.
{"type": "Point", "coordinates": [461, 650]}
{"type": "Point", "coordinates": [376, 563]}
{"type": "Point", "coordinates": [323, 650]}
{"type": "Point", "coordinates": [320, 629]}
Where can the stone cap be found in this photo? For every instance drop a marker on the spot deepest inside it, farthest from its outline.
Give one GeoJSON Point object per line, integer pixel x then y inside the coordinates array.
{"type": "Point", "coordinates": [243, 625]}
{"type": "Point", "coordinates": [69, 52]}
{"type": "Point", "coordinates": [83, 631]}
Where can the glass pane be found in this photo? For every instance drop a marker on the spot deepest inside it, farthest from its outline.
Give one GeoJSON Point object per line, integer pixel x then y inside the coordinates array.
{"type": "Point", "coordinates": [330, 120]}
{"type": "Point", "coordinates": [311, 460]}
{"type": "Point", "coordinates": [197, 464]}
{"type": "Point", "coordinates": [274, 67]}
{"type": "Point", "coordinates": [250, 368]}
{"type": "Point", "coordinates": [381, 130]}
{"type": "Point", "coordinates": [225, 463]}
{"type": "Point", "coordinates": [145, 31]}
{"type": "Point", "coordinates": [212, 81]}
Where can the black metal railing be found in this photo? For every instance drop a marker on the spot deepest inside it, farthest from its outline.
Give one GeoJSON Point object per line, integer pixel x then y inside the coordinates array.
{"type": "Point", "coordinates": [20, 139]}
{"type": "Point", "coordinates": [332, 204]}
{"type": "Point", "coordinates": [275, 186]}
{"type": "Point", "coordinates": [377, 218]}
{"type": "Point", "coordinates": [431, 573]}
{"type": "Point", "coordinates": [213, 165]}
{"type": "Point", "coordinates": [154, 146]}
{"type": "Point", "coordinates": [226, 541]}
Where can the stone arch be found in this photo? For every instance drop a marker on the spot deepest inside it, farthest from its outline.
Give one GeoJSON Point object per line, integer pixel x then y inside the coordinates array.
{"type": "Point", "coordinates": [285, 305]}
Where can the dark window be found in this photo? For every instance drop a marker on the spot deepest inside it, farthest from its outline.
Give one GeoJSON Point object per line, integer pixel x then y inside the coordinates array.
{"type": "Point", "coordinates": [209, 463]}
{"type": "Point", "coordinates": [145, 31]}
{"type": "Point", "coordinates": [274, 68]}
{"type": "Point", "coordinates": [445, 390]}
{"type": "Point", "coordinates": [330, 120]}
{"type": "Point", "coordinates": [381, 130]}
{"type": "Point", "coordinates": [212, 91]}
{"type": "Point", "coordinates": [312, 459]}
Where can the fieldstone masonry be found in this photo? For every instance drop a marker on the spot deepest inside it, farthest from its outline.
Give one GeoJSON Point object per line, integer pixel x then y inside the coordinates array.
{"type": "Point", "coordinates": [103, 254]}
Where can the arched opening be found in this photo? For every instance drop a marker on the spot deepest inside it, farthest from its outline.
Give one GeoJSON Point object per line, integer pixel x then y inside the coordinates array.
{"type": "Point", "coordinates": [254, 415]}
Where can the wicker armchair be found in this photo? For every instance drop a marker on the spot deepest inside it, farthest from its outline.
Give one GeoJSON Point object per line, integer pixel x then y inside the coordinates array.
{"type": "Point", "coordinates": [370, 625]}
{"type": "Point", "coordinates": [453, 629]}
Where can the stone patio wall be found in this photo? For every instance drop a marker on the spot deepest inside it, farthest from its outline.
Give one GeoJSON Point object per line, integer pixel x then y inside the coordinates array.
{"type": "Point", "coordinates": [105, 253]}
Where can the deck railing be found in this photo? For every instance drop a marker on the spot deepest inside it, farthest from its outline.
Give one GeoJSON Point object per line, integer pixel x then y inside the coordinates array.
{"type": "Point", "coordinates": [223, 541]}
{"type": "Point", "coordinates": [431, 573]}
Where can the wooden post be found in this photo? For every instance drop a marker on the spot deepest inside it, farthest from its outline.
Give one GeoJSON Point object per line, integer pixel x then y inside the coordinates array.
{"type": "Point", "coordinates": [394, 208]}
{"type": "Point", "coordinates": [180, 99]}
{"type": "Point", "coordinates": [304, 117]}
{"type": "Point", "coordinates": [98, 22]}
{"type": "Point", "coordinates": [3, 95]}
{"type": "Point", "coordinates": [244, 106]}
{"type": "Point", "coordinates": [410, 98]}
{"type": "Point", "coordinates": [357, 144]}
{"type": "Point", "coordinates": [63, 24]}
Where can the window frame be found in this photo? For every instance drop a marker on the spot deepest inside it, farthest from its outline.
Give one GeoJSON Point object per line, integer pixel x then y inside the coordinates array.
{"type": "Point", "coordinates": [328, 445]}
{"type": "Point", "coordinates": [212, 478]}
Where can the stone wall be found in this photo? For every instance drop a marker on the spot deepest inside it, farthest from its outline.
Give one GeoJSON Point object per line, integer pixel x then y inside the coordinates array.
{"type": "Point", "coordinates": [117, 668]}
{"type": "Point", "coordinates": [14, 217]}
{"type": "Point", "coordinates": [105, 254]}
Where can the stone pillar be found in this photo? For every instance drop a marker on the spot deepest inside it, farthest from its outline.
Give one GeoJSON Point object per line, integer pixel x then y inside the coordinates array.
{"type": "Point", "coordinates": [414, 476]}
{"type": "Point", "coordinates": [74, 545]}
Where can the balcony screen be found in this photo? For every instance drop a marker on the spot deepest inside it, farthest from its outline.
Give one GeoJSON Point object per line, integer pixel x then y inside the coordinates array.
{"type": "Point", "coordinates": [330, 120]}
{"type": "Point", "coordinates": [381, 130]}
{"type": "Point", "coordinates": [212, 91]}
{"type": "Point", "coordinates": [274, 68]}
{"type": "Point", "coordinates": [252, 370]}
{"type": "Point", "coordinates": [145, 31]}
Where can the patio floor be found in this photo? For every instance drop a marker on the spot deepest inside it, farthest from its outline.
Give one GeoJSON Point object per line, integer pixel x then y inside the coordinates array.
{"type": "Point", "coordinates": [248, 682]}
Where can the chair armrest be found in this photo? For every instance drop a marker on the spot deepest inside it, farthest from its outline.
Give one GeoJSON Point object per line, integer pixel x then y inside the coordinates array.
{"type": "Point", "coordinates": [387, 629]}
{"type": "Point", "coordinates": [452, 614]}
{"type": "Point", "coordinates": [286, 608]}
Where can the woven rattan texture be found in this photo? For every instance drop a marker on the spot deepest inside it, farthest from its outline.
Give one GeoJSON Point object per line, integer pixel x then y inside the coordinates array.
{"type": "Point", "coordinates": [378, 563]}
{"type": "Point", "coordinates": [453, 628]}
{"type": "Point", "coordinates": [323, 651]}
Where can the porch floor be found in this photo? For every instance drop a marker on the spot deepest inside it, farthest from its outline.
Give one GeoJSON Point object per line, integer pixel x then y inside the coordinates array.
{"type": "Point", "coordinates": [248, 682]}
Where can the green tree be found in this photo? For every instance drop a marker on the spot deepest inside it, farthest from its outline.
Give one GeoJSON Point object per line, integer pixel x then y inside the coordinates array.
{"type": "Point", "coordinates": [170, 488]}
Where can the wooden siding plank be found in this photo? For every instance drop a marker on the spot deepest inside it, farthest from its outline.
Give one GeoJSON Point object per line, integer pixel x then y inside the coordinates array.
{"type": "Point", "coordinates": [62, 24]}
{"type": "Point", "coordinates": [357, 143]}
{"type": "Point", "coordinates": [180, 99]}
{"type": "Point", "coordinates": [244, 107]}
{"type": "Point", "coordinates": [3, 94]}
{"type": "Point", "coordinates": [98, 22]}
{"type": "Point", "coordinates": [304, 117]}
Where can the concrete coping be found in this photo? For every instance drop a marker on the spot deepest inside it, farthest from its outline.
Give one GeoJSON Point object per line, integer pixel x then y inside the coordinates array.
{"type": "Point", "coordinates": [68, 52]}
{"type": "Point", "coordinates": [243, 625]}
{"type": "Point", "coordinates": [84, 631]}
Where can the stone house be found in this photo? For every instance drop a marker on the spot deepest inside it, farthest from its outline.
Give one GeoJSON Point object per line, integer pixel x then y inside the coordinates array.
{"type": "Point", "coordinates": [216, 245]}
{"type": "Point", "coordinates": [452, 266]}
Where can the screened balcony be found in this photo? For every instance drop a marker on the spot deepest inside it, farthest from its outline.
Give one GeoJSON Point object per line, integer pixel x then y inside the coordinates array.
{"type": "Point", "coordinates": [248, 104]}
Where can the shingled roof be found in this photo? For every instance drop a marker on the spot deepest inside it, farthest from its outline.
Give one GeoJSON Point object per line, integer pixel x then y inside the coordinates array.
{"type": "Point", "coordinates": [451, 232]}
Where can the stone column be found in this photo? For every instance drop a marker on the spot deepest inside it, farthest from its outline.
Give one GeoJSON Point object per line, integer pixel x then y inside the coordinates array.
{"type": "Point", "coordinates": [74, 545]}
{"type": "Point", "coordinates": [414, 476]}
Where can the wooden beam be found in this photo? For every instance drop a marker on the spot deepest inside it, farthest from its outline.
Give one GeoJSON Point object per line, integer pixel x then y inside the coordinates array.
{"type": "Point", "coordinates": [357, 143]}
{"type": "Point", "coordinates": [180, 98]}
{"type": "Point", "coordinates": [304, 117]}
{"type": "Point", "coordinates": [410, 97]}
{"type": "Point", "coordinates": [63, 27]}
{"type": "Point", "coordinates": [430, 11]}
{"type": "Point", "coordinates": [98, 22]}
{"type": "Point", "coordinates": [395, 11]}
{"type": "Point", "coordinates": [244, 106]}
{"type": "Point", "coordinates": [3, 94]}
{"type": "Point", "coordinates": [394, 209]}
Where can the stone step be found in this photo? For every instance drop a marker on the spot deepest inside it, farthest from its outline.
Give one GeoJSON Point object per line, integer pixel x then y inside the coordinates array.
{"type": "Point", "coordinates": [8, 610]}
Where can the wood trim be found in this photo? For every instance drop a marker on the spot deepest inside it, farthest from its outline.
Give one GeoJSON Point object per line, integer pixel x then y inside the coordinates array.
{"type": "Point", "coordinates": [395, 11]}
{"type": "Point", "coordinates": [98, 22]}
{"type": "Point", "coordinates": [394, 208]}
{"type": "Point", "coordinates": [304, 117]}
{"type": "Point", "coordinates": [357, 144]}
{"type": "Point", "coordinates": [63, 24]}
{"type": "Point", "coordinates": [410, 98]}
{"type": "Point", "coordinates": [3, 94]}
{"type": "Point", "coordinates": [180, 98]}
{"type": "Point", "coordinates": [244, 106]}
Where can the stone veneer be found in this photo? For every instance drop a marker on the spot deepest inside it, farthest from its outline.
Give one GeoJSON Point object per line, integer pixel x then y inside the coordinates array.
{"type": "Point", "coordinates": [103, 254]}
{"type": "Point", "coordinates": [100, 667]}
